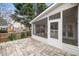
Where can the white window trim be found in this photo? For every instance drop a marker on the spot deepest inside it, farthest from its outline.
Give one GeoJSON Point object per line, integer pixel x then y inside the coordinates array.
{"type": "Point", "coordinates": [78, 26]}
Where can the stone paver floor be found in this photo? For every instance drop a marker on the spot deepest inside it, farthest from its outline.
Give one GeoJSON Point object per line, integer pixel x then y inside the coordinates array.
{"type": "Point", "coordinates": [29, 47]}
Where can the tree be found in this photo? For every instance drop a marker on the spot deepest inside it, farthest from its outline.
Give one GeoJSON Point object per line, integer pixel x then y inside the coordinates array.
{"type": "Point", "coordinates": [26, 9]}
{"type": "Point", "coordinates": [29, 10]}
{"type": "Point", "coordinates": [41, 7]}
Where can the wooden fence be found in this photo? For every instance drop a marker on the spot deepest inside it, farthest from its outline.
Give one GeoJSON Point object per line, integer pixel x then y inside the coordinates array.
{"type": "Point", "coordinates": [4, 37]}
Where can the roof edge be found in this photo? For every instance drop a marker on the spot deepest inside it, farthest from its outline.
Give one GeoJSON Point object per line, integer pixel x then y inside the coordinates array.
{"type": "Point", "coordinates": [45, 11]}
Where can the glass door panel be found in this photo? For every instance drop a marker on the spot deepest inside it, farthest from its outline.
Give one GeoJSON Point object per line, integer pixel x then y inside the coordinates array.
{"type": "Point", "coordinates": [54, 30]}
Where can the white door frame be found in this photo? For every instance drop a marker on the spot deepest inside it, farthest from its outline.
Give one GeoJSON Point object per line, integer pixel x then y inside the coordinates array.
{"type": "Point", "coordinates": [52, 21]}
{"type": "Point", "coordinates": [56, 42]}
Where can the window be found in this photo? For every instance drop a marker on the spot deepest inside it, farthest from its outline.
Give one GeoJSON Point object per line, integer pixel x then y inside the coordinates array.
{"type": "Point", "coordinates": [55, 16]}
{"type": "Point", "coordinates": [64, 30]}
{"type": "Point", "coordinates": [54, 30]}
{"type": "Point", "coordinates": [41, 28]}
{"type": "Point", "coordinates": [70, 32]}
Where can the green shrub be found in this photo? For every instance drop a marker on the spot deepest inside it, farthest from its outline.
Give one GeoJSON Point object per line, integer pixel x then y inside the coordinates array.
{"type": "Point", "coordinates": [23, 35]}
{"type": "Point", "coordinates": [12, 37]}
{"type": "Point", "coordinates": [29, 33]}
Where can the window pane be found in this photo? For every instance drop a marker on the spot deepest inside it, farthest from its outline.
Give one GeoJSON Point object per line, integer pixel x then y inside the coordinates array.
{"type": "Point", "coordinates": [64, 33]}
{"type": "Point", "coordinates": [54, 26]}
{"type": "Point", "coordinates": [55, 16]}
{"type": "Point", "coordinates": [70, 30]}
{"type": "Point", "coordinates": [64, 30]}
{"type": "Point", "coordinates": [41, 28]}
{"type": "Point", "coordinates": [70, 34]}
{"type": "Point", "coordinates": [54, 30]}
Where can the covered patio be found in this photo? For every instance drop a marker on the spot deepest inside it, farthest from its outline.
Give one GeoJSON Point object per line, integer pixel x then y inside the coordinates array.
{"type": "Point", "coordinates": [58, 27]}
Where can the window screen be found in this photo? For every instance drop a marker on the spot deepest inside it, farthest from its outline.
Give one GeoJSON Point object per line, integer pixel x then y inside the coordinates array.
{"type": "Point", "coordinates": [55, 16]}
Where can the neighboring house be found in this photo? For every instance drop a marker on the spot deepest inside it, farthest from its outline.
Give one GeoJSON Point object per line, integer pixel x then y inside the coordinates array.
{"type": "Point", "coordinates": [58, 26]}
{"type": "Point", "coordinates": [18, 27]}
{"type": "Point", "coordinates": [10, 27]}
{"type": "Point", "coordinates": [3, 24]}
{"type": "Point", "coordinates": [15, 27]}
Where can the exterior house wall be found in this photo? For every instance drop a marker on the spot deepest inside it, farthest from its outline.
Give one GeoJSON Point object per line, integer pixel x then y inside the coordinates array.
{"type": "Point", "coordinates": [58, 43]}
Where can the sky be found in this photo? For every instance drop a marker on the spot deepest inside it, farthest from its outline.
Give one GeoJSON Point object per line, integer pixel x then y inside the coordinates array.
{"type": "Point", "coordinates": [7, 6]}
{"type": "Point", "coordinates": [6, 9]}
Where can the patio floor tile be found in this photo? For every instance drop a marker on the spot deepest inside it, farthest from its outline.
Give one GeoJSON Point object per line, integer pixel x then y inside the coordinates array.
{"type": "Point", "coordinates": [29, 47]}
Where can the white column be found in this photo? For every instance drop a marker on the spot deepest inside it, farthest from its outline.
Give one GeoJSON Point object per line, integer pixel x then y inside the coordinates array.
{"type": "Point", "coordinates": [48, 24]}
{"type": "Point", "coordinates": [78, 26]}
{"type": "Point", "coordinates": [31, 29]}
{"type": "Point", "coordinates": [61, 29]}
{"type": "Point", "coordinates": [34, 29]}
